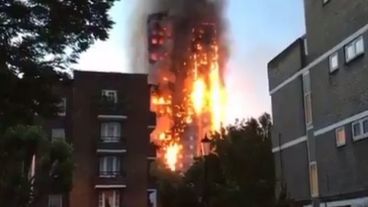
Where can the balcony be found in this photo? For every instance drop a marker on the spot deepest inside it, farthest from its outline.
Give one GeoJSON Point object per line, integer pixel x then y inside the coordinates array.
{"type": "Point", "coordinates": [110, 174]}
{"type": "Point", "coordinates": [112, 142]}
{"type": "Point", "coordinates": [108, 107]}
{"type": "Point", "coordinates": [111, 178]}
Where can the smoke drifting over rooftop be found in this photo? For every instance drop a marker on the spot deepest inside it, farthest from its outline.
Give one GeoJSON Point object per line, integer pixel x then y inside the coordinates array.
{"type": "Point", "coordinates": [186, 13]}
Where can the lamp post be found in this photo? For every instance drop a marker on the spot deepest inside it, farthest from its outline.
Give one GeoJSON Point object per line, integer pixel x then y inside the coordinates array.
{"type": "Point", "coordinates": [206, 147]}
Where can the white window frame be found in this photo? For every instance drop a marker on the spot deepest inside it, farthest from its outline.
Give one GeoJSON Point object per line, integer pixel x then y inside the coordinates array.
{"type": "Point", "coordinates": [54, 137]}
{"type": "Point", "coordinates": [334, 62]}
{"type": "Point", "coordinates": [55, 198]}
{"type": "Point", "coordinates": [354, 45]}
{"type": "Point", "coordinates": [113, 94]}
{"type": "Point", "coordinates": [337, 134]}
{"type": "Point", "coordinates": [362, 135]}
{"type": "Point", "coordinates": [110, 138]}
{"type": "Point", "coordinates": [116, 198]}
{"type": "Point", "coordinates": [103, 166]}
{"type": "Point", "coordinates": [62, 107]}
{"type": "Point", "coordinates": [313, 179]}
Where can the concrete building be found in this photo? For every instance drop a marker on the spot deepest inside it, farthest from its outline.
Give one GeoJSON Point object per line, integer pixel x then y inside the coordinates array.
{"type": "Point", "coordinates": [319, 93]}
{"type": "Point", "coordinates": [107, 120]}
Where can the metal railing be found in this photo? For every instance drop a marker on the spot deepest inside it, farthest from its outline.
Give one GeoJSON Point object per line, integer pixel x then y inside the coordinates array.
{"type": "Point", "coordinates": [109, 174]}
{"type": "Point", "coordinates": [110, 139]}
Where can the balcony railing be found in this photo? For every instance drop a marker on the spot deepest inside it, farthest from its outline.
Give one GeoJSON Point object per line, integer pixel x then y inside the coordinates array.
{"type": "Point", "coordinates": [110, 107]}
{"type": "Point", "coordinates": [109, 174]}
{"type": "Point", "coordinates": [110, 139]}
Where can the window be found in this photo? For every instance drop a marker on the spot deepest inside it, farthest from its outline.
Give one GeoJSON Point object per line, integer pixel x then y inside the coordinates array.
{"type": "Point", "coordinates": [110, 132]}
{"type": "Point", "coordinates": [109, 166]}
{"type": "Point", "coordinates": [313, 179]}
{"type": "Point", "coordinates": [308, 109]}
{"type": "Point", "coordinates": [354, 49]}
{"type": "Point", "coordinates": [55, 200]}
{"type": "Point", "coordinates": [62, 107]}
{"type": "Point", "coordinates": [109, 198]}
{"type": "Point", "coordinates": [360, 129]}
{"type": "Point", "coordinates": [365, 126]}
{"type": "Point", "coordinates": [152, 197]}
{"type": "Point", "coordinates": [307, 99]}
{"type": "Point", "coordinates": [357, 131]}
{"type": "Point", "coordinates": [58, 134]}
{"type": "Point", "coordinates": [110, 96]}
{"type": "Point", "coordinates": [334, 62]}
{"type": "Point", "coordinates": [305, 44]}
{"type": "Point", "coordinates": [340, 137]}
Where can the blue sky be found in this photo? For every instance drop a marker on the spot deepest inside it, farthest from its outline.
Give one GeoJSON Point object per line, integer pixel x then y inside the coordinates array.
{"type": "Point", "coordinates": [258, 30]}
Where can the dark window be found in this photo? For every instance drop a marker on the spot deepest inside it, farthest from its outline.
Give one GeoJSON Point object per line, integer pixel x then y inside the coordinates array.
{"type": "Point", "coordinates": [365, 126]}
{"type": "Point", "coordinates": [110, 96]}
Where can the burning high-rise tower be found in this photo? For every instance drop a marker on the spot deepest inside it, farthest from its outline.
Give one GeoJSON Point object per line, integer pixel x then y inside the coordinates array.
{"type": "Point", "coordinates": [186, 59]}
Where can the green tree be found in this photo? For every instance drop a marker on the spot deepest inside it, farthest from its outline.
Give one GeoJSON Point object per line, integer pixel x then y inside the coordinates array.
{"type": "Point", "coordinates": [239, 171]}
{"type": "Point", "coordinates": [39, 39]}
{"type": "Point", "coordinates": [20, 184]}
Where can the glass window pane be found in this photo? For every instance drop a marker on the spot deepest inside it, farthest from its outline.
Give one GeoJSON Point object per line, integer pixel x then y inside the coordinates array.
{"type": "Point", "coordinates": [117, 129]}
{"type": "Point", "coordinates": [103, 129]}
{"type": "Point", "coordinates": [365, 126]}
{"type": "Point", "coordinates": [109, 95]}
{"type": "Point", "coordinates": [111, 131]}
{"type": "Point", "coordinates": [334, 62]}
{"type": "Point", "coordinates": [101, 198]}
{"type": "Point", "coordinates": [340, 136]}
{"type": "Point", "coordinates": [308, 109]}
{"type": "Point", "coordinates": [109, 198]}
{"type": "Point", "coordinates": [306, 83]}
{"type": "Point", "coordinates": [110, 163]}
{"type": "Point", "coordinates": [55, 200]}
{"type": "Point", "coordinates": [356, 129]}
{"type": "Point", "coordinates": [359, 46]}
{"type": "Point", "coordinates": [117, 198]}
{"type": "Point", "coordinates": [349, 52]}
{"type": "Point", "coordinates": [314, 179]}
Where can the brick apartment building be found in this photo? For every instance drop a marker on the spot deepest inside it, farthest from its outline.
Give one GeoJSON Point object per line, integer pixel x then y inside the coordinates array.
{"type": "Point", "coordinates": [108, 122]}
{"type": "Point", "coordinates": [319, 93]}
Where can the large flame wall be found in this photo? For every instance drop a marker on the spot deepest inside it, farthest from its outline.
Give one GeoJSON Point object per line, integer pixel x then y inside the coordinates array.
{"type": "Point", "coordinates": [186, 56]}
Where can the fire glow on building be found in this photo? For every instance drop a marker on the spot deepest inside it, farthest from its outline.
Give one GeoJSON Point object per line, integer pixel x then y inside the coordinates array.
{"type": "Point", "coordinates": [188, 96]}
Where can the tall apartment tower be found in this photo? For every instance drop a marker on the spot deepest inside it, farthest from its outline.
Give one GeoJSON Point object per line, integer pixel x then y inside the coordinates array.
{"type": "Point", "coordinates": [319, 93]}
{"type": "Point", "coordinates": [107, 120]}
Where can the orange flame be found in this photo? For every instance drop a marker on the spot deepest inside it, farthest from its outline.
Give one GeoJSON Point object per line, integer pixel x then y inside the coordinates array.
{"type": "Point", "coordinates": [171, 155]}
{"type": "Point", "coordinates": [203, 104]}
{"type": "Point", "coordinates": [198, 95]}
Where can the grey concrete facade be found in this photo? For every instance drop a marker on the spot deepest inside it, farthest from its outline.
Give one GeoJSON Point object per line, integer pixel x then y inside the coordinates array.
{"type": "Point", "coordinates": [338, 99]}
